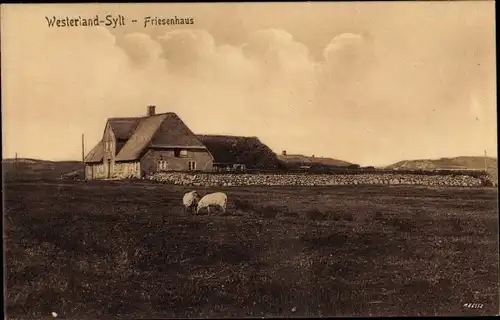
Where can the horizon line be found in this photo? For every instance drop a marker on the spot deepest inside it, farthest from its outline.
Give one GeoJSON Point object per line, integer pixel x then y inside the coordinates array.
{"type": "Point", "coordinates": [278, 154]}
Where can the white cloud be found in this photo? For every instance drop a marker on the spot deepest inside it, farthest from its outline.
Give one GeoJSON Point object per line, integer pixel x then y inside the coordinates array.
{"type": "Point", "coordinates": [187, 48]}
{"type": "Point", "coordinates": [342, 45]}
{"type": "Point", "coordinates": [362, 102]}
{"type": "Point", "coordinates": [140, 47]}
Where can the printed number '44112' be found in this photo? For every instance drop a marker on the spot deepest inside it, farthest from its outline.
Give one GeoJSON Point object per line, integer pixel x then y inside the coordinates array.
{"type": "Point", "coordinates": [473, 305]}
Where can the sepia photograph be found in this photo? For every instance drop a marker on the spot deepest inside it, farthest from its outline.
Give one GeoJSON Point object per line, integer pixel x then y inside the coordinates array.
{"type": "Point", "coordinates": [249, 160]}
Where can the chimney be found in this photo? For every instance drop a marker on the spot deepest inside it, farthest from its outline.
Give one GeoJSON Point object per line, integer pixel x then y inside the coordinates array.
{"type": "Point", "coordinates": [283, 153]}
{"type": "Point", "coordinates": [151, 111]}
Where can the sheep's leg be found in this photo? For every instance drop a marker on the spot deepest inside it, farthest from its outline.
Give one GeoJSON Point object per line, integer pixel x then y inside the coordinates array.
{"type": "Point", "coordinates": [223, 206]}
{"type": "Point", "coordinates": [208, 209]}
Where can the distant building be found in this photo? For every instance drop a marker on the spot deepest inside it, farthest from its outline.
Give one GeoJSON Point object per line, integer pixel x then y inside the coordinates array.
{"type": "Point", "coordinates": [305, 162]}
{"type": "Point", "coordinates": [137, 146]}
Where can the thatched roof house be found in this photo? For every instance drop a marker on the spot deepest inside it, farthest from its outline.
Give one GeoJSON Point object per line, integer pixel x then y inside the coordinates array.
{"type": "Point", "coordinates": [163, 142]}
{"type": "Point", "coordinates": [134, 135]}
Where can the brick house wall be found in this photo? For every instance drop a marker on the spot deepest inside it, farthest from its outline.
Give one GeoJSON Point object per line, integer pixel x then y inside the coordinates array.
{"type": "Point", "coordinates": [123, 170]}
{"type": "Point", "coordinates": [150, 162]}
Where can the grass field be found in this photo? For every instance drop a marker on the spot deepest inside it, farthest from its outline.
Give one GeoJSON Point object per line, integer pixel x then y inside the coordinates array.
{"type": "Point", "coordinates": [107, 249]}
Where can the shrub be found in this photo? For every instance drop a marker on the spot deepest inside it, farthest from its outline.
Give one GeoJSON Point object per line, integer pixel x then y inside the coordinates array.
{"type": "Point", "coordinates": [487, 182]}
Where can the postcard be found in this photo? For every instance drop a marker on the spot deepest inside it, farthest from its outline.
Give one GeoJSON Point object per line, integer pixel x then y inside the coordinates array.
{"type": "Point", "coordinates": [214, 160]}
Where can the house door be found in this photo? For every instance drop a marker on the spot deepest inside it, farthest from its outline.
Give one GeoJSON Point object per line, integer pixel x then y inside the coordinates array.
{"type": "Point", "coordinates": [109, 169]}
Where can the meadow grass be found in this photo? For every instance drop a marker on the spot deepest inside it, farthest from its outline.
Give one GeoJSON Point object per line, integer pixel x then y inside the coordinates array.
{"type": "Point", "coordinates": [107, 249]}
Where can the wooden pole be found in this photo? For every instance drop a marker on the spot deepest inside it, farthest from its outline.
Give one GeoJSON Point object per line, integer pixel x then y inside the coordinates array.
{"type": "Point", "coordinates": [83, 156]}
{"type": "Point", "coordinates": [15, 166]}
{"type": "Point", "coordinates": [485, 161]}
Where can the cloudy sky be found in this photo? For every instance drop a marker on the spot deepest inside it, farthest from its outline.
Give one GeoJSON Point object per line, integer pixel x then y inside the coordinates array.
{"type": "Point", "coordinates": [371, 83]}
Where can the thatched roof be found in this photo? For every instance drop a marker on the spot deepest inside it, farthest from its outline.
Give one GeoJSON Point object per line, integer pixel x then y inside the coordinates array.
{"type": "Point", "coordinates": [96, 154]}
{"type": "Point", "coordinates": [249, 151]}
{"type": "Point", "coordinates": [141, 138]}
{"type": "Point", "coordinates": [123, 128]}
{"type": "Point", "coordinates": [161, 130]}
{"type": "Point", "coordinates": [174, 132]}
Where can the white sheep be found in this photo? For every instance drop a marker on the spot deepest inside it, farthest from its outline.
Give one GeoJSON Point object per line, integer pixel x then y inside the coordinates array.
{"type": "Point", "coordinates": [190, 200]}
{"type": "Point", "coordinates": [212, 199]}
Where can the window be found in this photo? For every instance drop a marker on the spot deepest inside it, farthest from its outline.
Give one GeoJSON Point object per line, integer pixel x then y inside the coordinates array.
{"type": "Point", "coordinates": [192, 165]}
{"type": "Point", "coordinates": [162, 165]}
{"type": "Point", "coordinates": [178, 153]}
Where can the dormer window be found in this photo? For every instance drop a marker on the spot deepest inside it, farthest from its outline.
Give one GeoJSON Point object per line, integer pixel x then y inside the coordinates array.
{"type": "Point", "coordinates": [179, 153]}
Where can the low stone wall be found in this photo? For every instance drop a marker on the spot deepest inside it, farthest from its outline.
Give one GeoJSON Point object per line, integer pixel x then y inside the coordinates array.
{"type": "Point", "coordinates": [204, 179]}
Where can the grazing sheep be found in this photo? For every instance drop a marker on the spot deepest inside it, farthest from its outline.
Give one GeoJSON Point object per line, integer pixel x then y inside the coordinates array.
{"type": "Point", "coordinates": [190, 200]}
{"type": "Point", "coordinates": [212, 199]}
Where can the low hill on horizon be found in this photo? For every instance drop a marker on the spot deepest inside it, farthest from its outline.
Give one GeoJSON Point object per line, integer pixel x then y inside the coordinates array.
{"type": "Point", "coordinates": [28, 168]}
{"type": "Point", "coordinates": [33, 160]}
{"type": "Point", "coordinates": [463, 162]}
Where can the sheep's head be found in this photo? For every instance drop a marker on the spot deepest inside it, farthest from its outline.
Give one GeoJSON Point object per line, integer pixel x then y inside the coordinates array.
{"type": "Point", "coordinates": [196, 198]}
